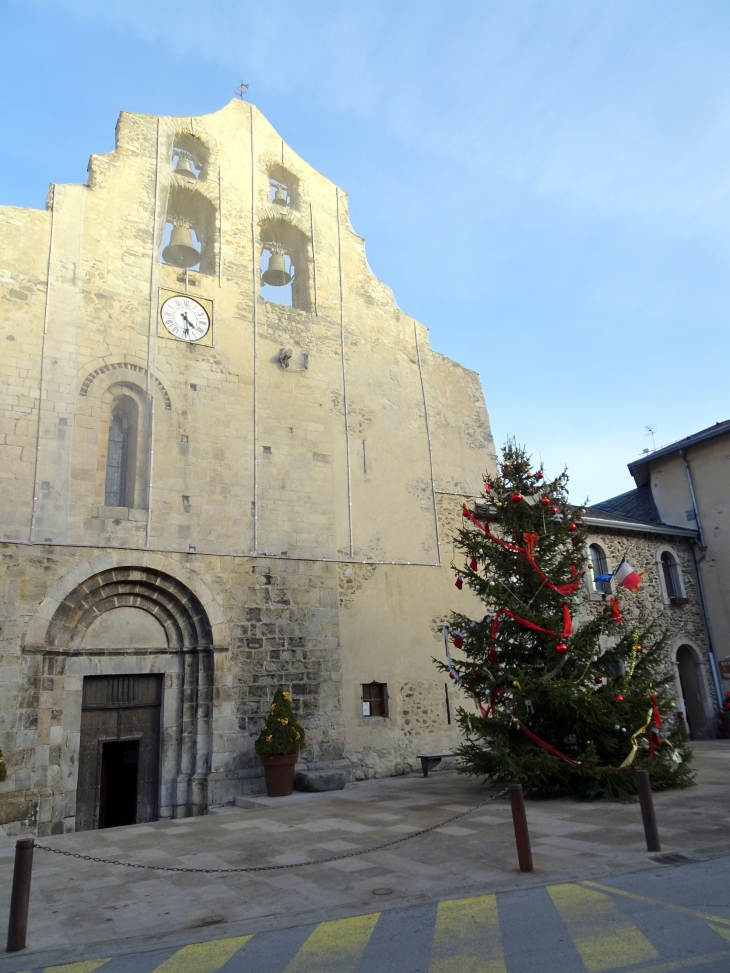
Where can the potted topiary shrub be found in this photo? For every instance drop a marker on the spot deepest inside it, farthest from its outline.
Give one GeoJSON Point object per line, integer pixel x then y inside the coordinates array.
{"type": "Point", "coordinates": [278, 745]}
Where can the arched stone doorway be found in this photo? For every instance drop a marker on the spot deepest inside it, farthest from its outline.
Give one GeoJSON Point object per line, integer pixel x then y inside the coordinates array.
{"type": "Point", "coordinates": [130, 654]}
{"type": "Point", "coordinates": [691, 683]}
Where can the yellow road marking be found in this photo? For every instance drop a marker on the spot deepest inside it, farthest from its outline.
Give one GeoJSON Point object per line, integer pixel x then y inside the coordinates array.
{"type": "Point", "coordinates": [335, 947]}
{"type": "Point", "coordinates": [466, 938]}
{"type": "Point", "coordinates": [200, 957]}
{"type": "Point", "coordinates": [666, 905]}
{"type": "Point", "coordinates": [679, 964]}
{"type": "Point", "coordinates": [602, 934]}
{"type": "Point", "coordinates": [86, 966]}
{"type": "Point", "coordinates": [725, 933]}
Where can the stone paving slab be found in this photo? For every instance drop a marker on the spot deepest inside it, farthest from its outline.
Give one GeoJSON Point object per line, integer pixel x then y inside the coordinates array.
{"type": "Point", "coordinates": [81, 904]}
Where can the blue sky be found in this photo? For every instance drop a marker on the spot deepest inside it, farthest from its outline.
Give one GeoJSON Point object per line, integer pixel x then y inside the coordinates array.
{"type": "Point", "coordinates": [545, 185]}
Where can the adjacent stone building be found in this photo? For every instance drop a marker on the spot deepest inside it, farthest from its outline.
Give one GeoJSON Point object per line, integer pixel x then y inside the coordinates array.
{"type": "Point", "coordinates": [630, 526]}
{"type": "Point", "coordinates": [229, 461]}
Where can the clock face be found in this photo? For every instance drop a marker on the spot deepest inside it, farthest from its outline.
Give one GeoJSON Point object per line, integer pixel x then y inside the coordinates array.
{"type": "Point", "coordinates": [184, 318]}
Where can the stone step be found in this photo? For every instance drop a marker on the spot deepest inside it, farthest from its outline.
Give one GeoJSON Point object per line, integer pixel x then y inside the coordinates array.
{"type": "Point", "coordinates": [320, 780]}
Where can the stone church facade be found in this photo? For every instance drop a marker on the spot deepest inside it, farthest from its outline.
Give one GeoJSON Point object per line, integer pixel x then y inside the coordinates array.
{"type": "Point", "coordinates": [208, 489]}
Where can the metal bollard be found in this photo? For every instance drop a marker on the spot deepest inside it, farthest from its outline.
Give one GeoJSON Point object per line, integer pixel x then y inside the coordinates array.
{"type": "Point", "coordinates": [643, 786]}
{"type": "Point", "coordinates": [20, 896]}
{"type": "Point", "coordinates": [522, 835]}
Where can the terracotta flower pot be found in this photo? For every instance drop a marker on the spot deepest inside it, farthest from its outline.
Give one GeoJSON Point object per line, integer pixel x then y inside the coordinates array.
{"type": "Point", "coordinates": [279, 773]}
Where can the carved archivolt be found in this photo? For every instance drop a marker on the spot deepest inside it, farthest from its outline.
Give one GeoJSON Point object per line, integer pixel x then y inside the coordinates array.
{"type": "Point", "coordinates": [131, 367]}
{"type": "Point", "coordinates": [167, 599]}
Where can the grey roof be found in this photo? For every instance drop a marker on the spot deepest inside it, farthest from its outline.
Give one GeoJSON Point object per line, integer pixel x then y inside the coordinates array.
{"type": "Point", "coordinates": [639, 469]}
{"type": "Point", "coordinates": [633, 511]}
{"type": "Point", "coordinates": [637, 505]}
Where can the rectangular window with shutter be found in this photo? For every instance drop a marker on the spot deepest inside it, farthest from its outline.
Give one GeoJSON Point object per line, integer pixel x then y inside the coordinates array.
{"type": "Point", "coordinates": [375, 699]}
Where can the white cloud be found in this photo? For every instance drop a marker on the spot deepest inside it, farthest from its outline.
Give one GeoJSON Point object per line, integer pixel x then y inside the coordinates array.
{"type": "Point", "coordinates": [607, 125]}
{"type": "Point", "coordinates": [596, 104]}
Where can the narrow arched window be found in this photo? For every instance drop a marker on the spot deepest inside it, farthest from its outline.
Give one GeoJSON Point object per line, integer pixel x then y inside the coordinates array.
{"type": "Point", "coordinates": [670, 570]}
{"type": "Point", "coordinates": [600, 569]}
{"type": "Point", "coordinates": [121, 454]}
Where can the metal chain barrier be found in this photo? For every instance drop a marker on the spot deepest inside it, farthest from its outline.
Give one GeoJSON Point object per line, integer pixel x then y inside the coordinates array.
{"type": "Point", "coordinates": [273, 868]}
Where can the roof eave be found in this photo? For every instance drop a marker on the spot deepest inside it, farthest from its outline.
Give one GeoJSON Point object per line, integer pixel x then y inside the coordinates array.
{"type": "Point", "coordinates": [639, 469]}
{"type": "Point", "coordinates": [636, 527]}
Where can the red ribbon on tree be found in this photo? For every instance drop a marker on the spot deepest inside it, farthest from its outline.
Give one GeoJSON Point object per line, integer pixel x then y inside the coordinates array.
{"type": "Point", "coordinates": [654, 742]}
{"type": "Point", "coordinates": [494, 697]}
{"type": "Point", "coordinates": [546, 746]}
{"type": "Point", "coordinates": [655, 711]}
{"type": "Point", "coordinates": [563, 634]}
{"type": "Point", "coordinates": [561, 589]}
{"type": "Point", "coordinates": [531, 540]}
{"type": "Point", "coordinates": [616, 615]}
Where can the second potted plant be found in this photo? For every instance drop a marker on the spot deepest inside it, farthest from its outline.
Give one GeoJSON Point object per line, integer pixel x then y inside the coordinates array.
{"type": "Point", "coordinates": [278, 745]}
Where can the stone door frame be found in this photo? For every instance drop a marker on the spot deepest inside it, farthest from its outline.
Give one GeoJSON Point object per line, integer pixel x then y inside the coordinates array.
{"type": "Point", "coordinates": [700, 662]}
{"type": "Point", "coordinates": [60, 663]}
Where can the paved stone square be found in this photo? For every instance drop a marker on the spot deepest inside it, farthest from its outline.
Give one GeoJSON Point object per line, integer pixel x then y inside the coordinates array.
{"type": "Point", "coordinates": [79, 905]}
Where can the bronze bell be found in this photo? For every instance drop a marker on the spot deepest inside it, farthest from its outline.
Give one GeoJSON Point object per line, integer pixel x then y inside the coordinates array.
{"type": "Point", "coordinates": [180, 251]}
{"type": "Point", "coordinates": [276, 273]}
{"type": "Point", "coordinates": [185, 168]}
{"type": "Point", "coordinates": [280, 198]}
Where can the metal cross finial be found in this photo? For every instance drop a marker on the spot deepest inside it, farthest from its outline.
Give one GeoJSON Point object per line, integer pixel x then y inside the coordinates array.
{"type": "Point", "coordinates": [241, 90]}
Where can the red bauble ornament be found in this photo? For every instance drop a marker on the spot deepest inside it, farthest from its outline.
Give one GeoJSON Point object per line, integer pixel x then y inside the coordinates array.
{"type": "Point", "coordinates": [487, 488]}
{"type": "Point", "coordinates": [539, 475]}
{"type": "Point", "coordinates": [473, 564]}
{"type": "Point", "coordinates": [545, 501]}
{"type": "Point", "coordinates": [599, 679]}
{"type": "Point", "coordinates": [554, 509]}
{"type": "Point", "coordinates": [638, 648]}
{"type": "Point", "coordinates": [459, 583]}
{"type": "Point", "coordinates": [618, 698]}
{"type": "Point", "coordinates": [458, 641]}
{"type": "Point", "coordinates": [516, 497]}
{"type": "Point", "coordinates": [572, 529]}
{"type": "Point", "coordinates": [561, 648]}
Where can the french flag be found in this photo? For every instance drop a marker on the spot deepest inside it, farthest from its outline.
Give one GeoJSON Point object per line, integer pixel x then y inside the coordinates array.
{"type": "Point", "coordinates": [627, 576]}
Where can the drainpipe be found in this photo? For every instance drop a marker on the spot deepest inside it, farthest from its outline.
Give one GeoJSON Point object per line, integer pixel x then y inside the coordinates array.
{"type": "Point", "coordinates": [698, 562]}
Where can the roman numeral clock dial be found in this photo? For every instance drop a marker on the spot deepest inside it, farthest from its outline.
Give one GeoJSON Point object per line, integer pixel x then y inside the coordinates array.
{"type": "Point", "coordinates": [184, 318]}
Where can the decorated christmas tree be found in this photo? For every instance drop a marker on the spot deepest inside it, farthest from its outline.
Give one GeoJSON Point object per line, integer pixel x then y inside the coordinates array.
{"type": "Point", "coordinates": [569, 696]}
{"type": "Point", "coordinates": [281, 732]}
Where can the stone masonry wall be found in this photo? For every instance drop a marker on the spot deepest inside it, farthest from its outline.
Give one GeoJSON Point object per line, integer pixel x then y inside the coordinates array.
{"type": "Point", "coordinates": [684, 624]}
{"type": "Point", "coordinates": [276, 624]}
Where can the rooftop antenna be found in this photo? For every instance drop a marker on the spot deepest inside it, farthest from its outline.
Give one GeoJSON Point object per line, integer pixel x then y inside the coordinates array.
{"type": "Point", "coordinates": [650, 430]}
{"type": "Point", "coordinates": [242, 89]}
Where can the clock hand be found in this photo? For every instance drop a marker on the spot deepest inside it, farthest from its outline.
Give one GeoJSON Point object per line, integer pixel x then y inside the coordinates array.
{"type": "Point", "coordinates": [187, 322]}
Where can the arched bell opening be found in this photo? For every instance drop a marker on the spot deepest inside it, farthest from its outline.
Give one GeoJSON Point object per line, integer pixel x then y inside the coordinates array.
{"type": "Point", "coordinates": [283, 188]}
{"type": "Point", "coordinates": [188, 240]}
{"type": "Point", "coordinates": [285, 265]}
{"type": "Point", "coordinates": [189, 157]}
